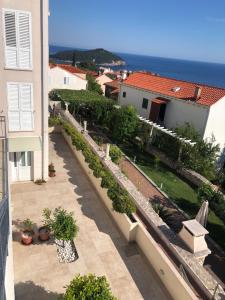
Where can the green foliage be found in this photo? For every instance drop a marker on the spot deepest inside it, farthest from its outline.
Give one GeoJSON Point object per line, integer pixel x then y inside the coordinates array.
{"type": "Point", "coordinates": [115, 154]}
{"type": "Point", "coordinates": [124, 123]}
{"type": "Point", "coordinates": [121, 201]}
{"type": "Point", "coordinates": [99, 55]}
{"type": "Point", "coordinates": [156, 161]}
{"type": "Point", "coordinates": [88, 66]}
{"type": "Point", "coordinates": [61, 223]}
{"type": "Point", "coordinates": [28, 225]}
{"type": "Point", "coordinates": [201, 157]}
{"type": "Point", "coordinates": [93, 85]}
{"type": "Point", "coordinates": [88, 287]}
{"type": "Point", "coordinates": [215, 198]}
{"type": "Point", "coordinates": [54, 121]}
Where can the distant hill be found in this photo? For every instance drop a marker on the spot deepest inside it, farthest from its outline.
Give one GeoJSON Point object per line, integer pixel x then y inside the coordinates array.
{"type": "Point", "coordinates": [99, 56]}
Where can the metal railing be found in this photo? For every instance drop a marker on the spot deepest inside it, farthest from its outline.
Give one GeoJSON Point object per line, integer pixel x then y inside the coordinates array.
{"type": "Point", "coordinates": [4, 206]}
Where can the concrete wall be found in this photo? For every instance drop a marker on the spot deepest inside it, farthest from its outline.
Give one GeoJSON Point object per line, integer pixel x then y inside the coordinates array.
{"type": "Point", "coordinates": [177, 111]}
{"type": "Point", "coordinates": [166, 271]}
{"type": "Point", "coordinates": [56, 80]}
{"type": "Point", "coordinates": [216, 125]}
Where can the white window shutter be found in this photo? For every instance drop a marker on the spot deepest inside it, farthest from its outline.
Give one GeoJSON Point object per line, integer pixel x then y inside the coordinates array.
{"type": "Point", "coordinates": [24, 40]}
{"type": "Point", "coordinates": [11, 55]}
{"type": "Point", "coordinates": [26, 107]}
{"type": "Point", "coordinates": [13, 107]}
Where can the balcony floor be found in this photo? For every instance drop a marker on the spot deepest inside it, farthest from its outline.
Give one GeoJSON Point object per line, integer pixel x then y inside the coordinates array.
{"type": "Point", "coordinates": [101, 247]}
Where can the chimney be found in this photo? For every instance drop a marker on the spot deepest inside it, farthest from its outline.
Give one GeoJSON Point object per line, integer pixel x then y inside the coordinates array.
{"type": "Point", "coordinates": [198, 91]}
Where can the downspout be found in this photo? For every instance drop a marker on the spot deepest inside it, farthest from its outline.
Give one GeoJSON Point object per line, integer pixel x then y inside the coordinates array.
{"type": "Point", "coordinates": [43, 86]}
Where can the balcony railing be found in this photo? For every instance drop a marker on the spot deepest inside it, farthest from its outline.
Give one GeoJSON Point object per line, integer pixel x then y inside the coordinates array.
{"type": "Point", "coordinates": [4, 206]}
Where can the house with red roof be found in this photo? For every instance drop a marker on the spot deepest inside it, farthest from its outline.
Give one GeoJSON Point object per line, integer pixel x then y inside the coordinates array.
{"type": "Point", "coordinates": [66, 77]}
{"type": "Point", "coordinates": [172, 103]}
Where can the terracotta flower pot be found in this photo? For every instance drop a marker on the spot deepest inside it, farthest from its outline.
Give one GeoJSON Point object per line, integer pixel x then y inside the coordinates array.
{"type": "Point", "coordinates": [44, 233]}
{"type": "Point", "coordinates": [52, 173]}
{"type": "Point", "coordinates": [27, 237]}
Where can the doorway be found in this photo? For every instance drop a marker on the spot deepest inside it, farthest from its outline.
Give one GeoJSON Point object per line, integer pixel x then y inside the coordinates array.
{"type": "Point", "coordinates": [21, 166]}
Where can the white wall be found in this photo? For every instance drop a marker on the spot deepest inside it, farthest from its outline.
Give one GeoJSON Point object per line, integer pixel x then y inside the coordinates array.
{"type": "Point", "coordinates": [102, 79]}
{"type": "Point", "coordinates": [216, 124]}
{"type": "Point", "coordinates": [177, 111]}
{"type": "Point", "coordinates": [56, 80]}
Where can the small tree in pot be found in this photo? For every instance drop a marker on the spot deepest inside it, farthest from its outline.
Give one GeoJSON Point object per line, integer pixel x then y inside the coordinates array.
{"type": "Point", "coordinates": [88, 287]}
{"type": "Point", "coordinates": [51, 170]}
{"type": "Point", "coordinates": [64, 230]}
{"type": "Point", "coordinates": [27, 233]}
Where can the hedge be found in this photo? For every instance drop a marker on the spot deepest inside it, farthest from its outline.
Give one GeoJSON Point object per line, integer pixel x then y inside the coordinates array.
{"type": "Point", "coordinates": [119, 196]}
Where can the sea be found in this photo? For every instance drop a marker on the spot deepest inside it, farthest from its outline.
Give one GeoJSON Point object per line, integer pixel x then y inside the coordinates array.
{"type": "Point", "coordinates": [195, 71]}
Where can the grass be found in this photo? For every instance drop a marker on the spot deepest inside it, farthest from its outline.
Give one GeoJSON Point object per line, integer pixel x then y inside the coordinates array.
{"type": "Point", "coordinates": [178, 190]}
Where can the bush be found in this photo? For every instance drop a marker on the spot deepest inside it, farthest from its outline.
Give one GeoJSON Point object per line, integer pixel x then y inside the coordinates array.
{"type": "Point", "coordinates": [88, 287]}
{"type": "Point", "coordinates": [115, 154]}
{"type": "Point", "coordinates": [53, 121]}
{"type": "Point", "coordinates": [115, 192]}
{"type": "Point", "coordinates": [62, 224]}
{"type": "Point", "coordinates": [215, 198]}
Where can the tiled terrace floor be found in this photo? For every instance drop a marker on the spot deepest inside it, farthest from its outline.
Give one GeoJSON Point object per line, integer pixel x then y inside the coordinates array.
{"type": "Point", "coordinates": [101, 247]}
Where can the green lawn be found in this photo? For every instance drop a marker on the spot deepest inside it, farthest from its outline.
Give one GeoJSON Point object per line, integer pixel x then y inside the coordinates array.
{"type": "Point", "coordinates": [178, 190]}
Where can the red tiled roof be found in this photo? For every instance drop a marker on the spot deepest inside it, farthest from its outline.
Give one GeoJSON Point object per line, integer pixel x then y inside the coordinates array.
{"type": "Point", "coordinates": [147, 81]}
{"type": "Point", "coordinates": [71, 69]}
{"type": "Point", "coordinates": [114, 83]}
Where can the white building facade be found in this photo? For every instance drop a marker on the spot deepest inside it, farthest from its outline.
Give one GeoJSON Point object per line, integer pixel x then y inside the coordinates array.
{"type": "Point", "coordinates": [156, 98]}
{"type": "Point", "coordinates": [65, 77]}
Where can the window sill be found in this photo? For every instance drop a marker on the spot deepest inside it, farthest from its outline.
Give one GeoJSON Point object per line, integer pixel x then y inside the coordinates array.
{"type": "Point", "coordinates": [18, 69]}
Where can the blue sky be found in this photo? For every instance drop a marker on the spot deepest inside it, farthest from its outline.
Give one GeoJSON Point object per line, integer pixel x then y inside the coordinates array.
{"type": "Point", "coordinates": [191, 29]}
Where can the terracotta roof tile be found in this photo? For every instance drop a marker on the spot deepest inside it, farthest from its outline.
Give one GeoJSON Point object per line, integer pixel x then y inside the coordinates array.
{"type": "Point", "coordinates": [114, 83]}
{"type": "Point", "coordinates": [143, 80]}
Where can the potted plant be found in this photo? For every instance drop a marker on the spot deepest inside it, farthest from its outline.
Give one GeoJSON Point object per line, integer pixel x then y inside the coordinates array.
{"type": "Point", "coordinates": [27, 233]}
{"type": "Point", "coordinates": [44, 231]}
{"type": "Point", "coordinates": [51, 170]}
{"type": "Point", "coordinates": [64, 229]}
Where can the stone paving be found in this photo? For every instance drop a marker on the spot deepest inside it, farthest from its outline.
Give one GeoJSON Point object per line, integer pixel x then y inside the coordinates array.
{"type": "Point", "coordinates": [101, 247]}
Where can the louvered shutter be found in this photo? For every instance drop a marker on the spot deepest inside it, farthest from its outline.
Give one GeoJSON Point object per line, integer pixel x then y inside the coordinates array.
{"type": "Point", "coordinates": [26, 107]}
{"type": "Point", "coordinates": [13, 107]}
{"type": "Point", "coordinates": [24, 40]}
{"type": "Point", "coordinates": [11, 54]}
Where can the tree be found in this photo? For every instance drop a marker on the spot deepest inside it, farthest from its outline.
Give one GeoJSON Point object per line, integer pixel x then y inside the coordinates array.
{"type": "Point", "coordinates": [124, 123]}
{"type": "Point", "coordinates": [88, 287]}
{"type": "Point", "coordinates": [93, 85]}
{"type": "Point", "coordinates": [202, 156]}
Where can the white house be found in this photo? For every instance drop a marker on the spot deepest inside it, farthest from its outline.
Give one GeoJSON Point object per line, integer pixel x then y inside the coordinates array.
{"type": "Point", "coordinates": [102, 79]}
{"type": "Point", "coordinates": [66, 77]}
{"type": "Point", "coordinates": [174, 102]}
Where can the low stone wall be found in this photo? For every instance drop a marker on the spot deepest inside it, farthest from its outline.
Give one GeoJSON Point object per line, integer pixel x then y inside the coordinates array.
{"type": "Point", "coordinates": [192, 176]}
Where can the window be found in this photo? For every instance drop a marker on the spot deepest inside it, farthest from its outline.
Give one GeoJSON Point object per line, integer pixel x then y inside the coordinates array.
{"type": "Point", "coordinates": [17, 26]}
{"type": "Point", "coordinates": [66, 80]}
{"type": "Point", "coordinates": [145, 103]}
{"type": "Point", "coordinates": [124, 94]}
{"type": "Point", "coordinates": [20, 106]}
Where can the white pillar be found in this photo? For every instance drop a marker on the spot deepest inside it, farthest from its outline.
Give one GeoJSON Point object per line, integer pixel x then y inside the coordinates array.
{"type": "Point", "coordinates": [67, 105]}
{"type": "Point", "coordinates": [107, 151]}
{"type": "Point", "coordinates": [85, 126]}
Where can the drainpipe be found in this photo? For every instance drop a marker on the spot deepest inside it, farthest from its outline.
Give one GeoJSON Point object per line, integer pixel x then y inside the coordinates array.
{"type": "Point", "coordinates": [44, 80]}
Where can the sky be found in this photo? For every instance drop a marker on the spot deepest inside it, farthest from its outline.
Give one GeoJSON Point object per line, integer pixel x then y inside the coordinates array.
{"type": "Point", "coordinates": [184, 29]}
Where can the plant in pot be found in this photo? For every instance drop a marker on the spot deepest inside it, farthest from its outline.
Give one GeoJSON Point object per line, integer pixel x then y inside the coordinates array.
{"type": "Point", "coordinates": [51, 170]}
{"type": "Point", "coordinates": [64, 230]}
{"type": "Point", "coordinates": [44, 231]}
{"type": "Point", "coordinates": [27, 233]}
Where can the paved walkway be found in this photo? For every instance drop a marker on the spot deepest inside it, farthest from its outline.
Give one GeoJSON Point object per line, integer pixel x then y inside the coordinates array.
{"type": "Point", "coordinates": [101, 247]}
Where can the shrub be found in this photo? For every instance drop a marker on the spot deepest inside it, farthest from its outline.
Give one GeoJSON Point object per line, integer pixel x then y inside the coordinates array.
{"type": "Point", "coordinates": [123, 204]}
{"type": "Point", "coordinates": [215, 198]}
{"type": "Point", "coordinates": [62, 224]}
{"type": "Point", "coordinates": [88, 287]}
{"type": "Point", "coordinates": [53, 121]}
{"type": "Point", "coordinates": [115, 154]}
{"type": "Point", "coordinates": [28, 225]}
